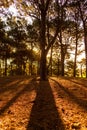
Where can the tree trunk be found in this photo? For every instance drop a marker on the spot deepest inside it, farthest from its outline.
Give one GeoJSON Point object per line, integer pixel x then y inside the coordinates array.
{"type": "Point", "coordinates": [62, 54]}
{"type": "Point", "coordinates": [62, 64]}
{"type": "Point", "coordinates": [50, 62]}
{"type": "Point", "coordinates": [11, 68]}
{"type": "Point", "coordinates": [5, 73]}
{"type": "Point", "coordinates": [58, 66]}
{"type": "Point", "coordinates": [75, 61]}
{"type": "Point", "coordinates": [43, 68]}
{"type": "Point", "coordinates": [51, 58]}
{"type": "Point", "coordinates": [85, 40]}
{"type": "Point", "coordinates": [30, 67]}
{"type": "Point", "coordinates": [44, 45]}
{"type": "Point", "coordinates": [81, 70]}
{"type": "Point", "coordinates": [85, 34]}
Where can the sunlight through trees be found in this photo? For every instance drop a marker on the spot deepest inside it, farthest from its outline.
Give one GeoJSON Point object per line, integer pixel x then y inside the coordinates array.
{"type": "Point", "coordinates": [48, 37]}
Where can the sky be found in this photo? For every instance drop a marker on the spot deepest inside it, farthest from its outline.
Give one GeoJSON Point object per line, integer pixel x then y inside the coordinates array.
{"type": "Point", "coordinates": [14, 12]}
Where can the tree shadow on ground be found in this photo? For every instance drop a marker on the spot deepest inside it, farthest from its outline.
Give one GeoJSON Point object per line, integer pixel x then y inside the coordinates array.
{"type": "Point", "coordinates": [44, 114]}
{"type": "Point", "coordinates": [24, 88]}
{"type": "Point", "coordinates": [81, 102]}
{"type": "Point", "coordinates": [10, 87]}
{"type": "Point", "coordinates": [76, 82]}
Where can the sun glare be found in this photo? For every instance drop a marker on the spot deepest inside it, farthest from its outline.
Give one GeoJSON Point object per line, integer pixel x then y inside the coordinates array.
{"type": "Point", "coordinates": [13, 10]}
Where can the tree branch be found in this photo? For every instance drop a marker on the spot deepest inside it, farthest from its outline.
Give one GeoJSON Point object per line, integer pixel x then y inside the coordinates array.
{"type": "Point", "coordinates": [52, 41]}
{"type": "Point", "coordinates": [65, 3]}
{"type": "Point", "coordinates": [47, 5]}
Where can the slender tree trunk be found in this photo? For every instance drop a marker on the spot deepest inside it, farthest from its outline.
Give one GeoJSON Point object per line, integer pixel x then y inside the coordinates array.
{"type": "Point", "coordinates": [74, 71]}
{"type": "Point", "coordinates": [23, 69]}
{"type": "Point", "coordinates": [30, 67]}
{"type": "Point", "coordinates": [51, 58]}
{"type": "Point", "coordinates": [38, 67]}
{"type": "Point", "coordinates": [0, 67]}
{"type": "Point", "coordinates": [62, 64]}
{"type": "Point", "coordinates": [81, 70]}
{"type": "Point", "coordinates": [58, 68]}
{"type": "Point", "coordinates": [50, 62]}
{"type": "Point", "coordinates": [5, 67]}
{"type": "Point", "coordinates": [11, 68]}
{"type": "Point", "coordinates": [85, 34]}
{"type": "Point", "coordinates": [62, 55]}
{"type": "Point", "coordinates": [31, 61]}
{"type": "Point", "coordinates": [85, 40]}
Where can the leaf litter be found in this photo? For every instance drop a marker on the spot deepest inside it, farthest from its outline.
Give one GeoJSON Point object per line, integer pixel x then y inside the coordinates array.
{"type": "Point", "coordinates": [29, 104]}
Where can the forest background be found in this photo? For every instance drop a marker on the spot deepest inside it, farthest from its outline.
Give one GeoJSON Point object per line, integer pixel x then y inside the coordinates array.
{"type": "Point", "coordinates": [43, 37]}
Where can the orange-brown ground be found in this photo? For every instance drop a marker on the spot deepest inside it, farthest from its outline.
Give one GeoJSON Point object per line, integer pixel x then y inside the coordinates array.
{"type": "Point", "coordinates": [30, 104]}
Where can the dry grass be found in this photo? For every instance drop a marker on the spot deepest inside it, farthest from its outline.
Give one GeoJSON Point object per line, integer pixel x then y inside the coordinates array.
{"type": "Point", "coordinates": [29, 104]}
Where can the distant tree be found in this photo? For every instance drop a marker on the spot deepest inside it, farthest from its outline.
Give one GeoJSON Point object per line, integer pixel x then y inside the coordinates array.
{"type": "Point", "coordinates": [77, 35]}
{"type": "Point", "coordinates": [82, 68]}
{"type": "Point", "coordinates": [32, 40]}
{"type": "Point", "coordinates": [17, 34]}
{"type": "Point", "coordinates": [82, 9]}
{"type": "Point", "coordinates": [5, 49]}
{"type": "Point", "coordinates": [50, 21]}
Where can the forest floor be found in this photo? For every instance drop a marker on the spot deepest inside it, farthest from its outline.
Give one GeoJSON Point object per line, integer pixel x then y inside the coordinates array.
{"type": "Point", "coordinates": [30, 104]}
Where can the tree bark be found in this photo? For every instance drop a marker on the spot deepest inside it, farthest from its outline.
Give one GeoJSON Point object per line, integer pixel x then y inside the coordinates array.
{"type": "Point", "coordinates": [43, 68]}
{"type": "Point", "coordinates": [51, 58]}
{"type": "Point", "coordinates": [58, 68]}
{"type": "Point", "coordinates": [62, 63]}
{"type": "Point", "coordinates": [62, 54]}
{"type": "Point", "coordinates": [75, 61]}
{"type": "Point", "coordinates": [43, 73]}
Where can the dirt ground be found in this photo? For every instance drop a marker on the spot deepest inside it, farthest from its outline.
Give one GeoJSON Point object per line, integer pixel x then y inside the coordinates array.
{"type": "Point", "coordinates": [30, 104]}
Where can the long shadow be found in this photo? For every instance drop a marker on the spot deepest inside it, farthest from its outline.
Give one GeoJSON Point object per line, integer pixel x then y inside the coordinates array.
{"type": "Point", "coordinates": [10, 87]}
{"type": "Point", "coordinates": [3, 83]}
{"type": "Point", "coordinates": [6, 81]}
{"type": "Point", "coordinates": [26, 88]}
{"type": "Point", "coordinates": [44, 114]}
{"type": "Point", "coordinates": [82, 103]}
{"type": "Point", "coordinates": [77, 83]}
